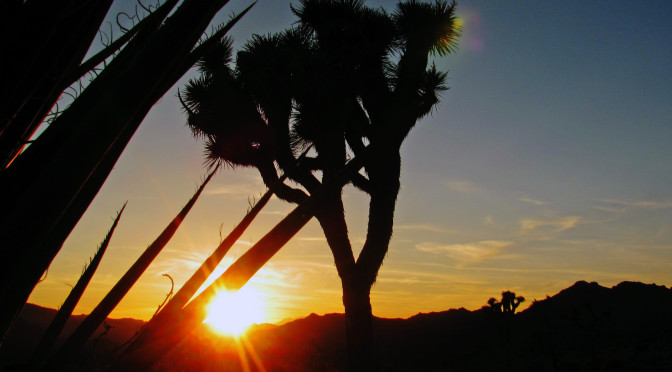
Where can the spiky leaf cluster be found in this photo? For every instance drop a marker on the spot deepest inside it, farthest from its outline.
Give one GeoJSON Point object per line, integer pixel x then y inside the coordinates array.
{"type": "Point", "coordinates": [222, 113]}
{"type": "Point", "coordinates": [429, 26]}
{"type": "Point", "coordinates": [330, 80]}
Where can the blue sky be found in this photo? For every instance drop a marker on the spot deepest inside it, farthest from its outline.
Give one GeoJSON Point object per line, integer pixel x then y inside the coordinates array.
{"type": "Point", "coordinates": [547, 162]}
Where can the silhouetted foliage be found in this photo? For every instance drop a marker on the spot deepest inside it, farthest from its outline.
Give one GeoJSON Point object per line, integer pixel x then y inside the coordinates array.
{"type": "Point", "coordinates": [56, 326]}
{"type": "Point", "coordinates": [348, 80]}
{"type": "Point", "coordinates": [172, 327]}
{"type": "Point", "coordinates": [504, 311]}
{"type": "Point", "coordinates": [46, 187]}
{"type": "Point", "coordinates": [508, 304]}
{"type": "Point", "coordinates": [81, 335]}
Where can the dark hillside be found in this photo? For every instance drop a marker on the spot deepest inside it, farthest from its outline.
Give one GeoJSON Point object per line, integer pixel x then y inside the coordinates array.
{"type": "Point", "coordinates": [586, 327]}
{"type": "Point", "coordinates": [589, 327]}
{"type": "Point", "coordinates": [34, 320]}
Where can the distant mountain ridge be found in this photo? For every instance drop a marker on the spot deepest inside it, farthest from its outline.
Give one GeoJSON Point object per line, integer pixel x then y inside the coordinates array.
{"type": "Point", "coordinates": [585, 327]}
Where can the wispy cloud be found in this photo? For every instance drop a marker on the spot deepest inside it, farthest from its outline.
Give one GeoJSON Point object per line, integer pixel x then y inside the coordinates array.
{"type": "Point", "coordinates": [463, 186]}
{"type": "Point", "coordinates": [318, 263]}
{"type": "Point", "coordinates": [177, 259]}
{"type": "Point", "coordinates": [647, 204]}
{"type": "Point", "coordinates": [609, 209]}
{"type": "Point", "coordinates": [561, 224]}
{"type": "Point", "coordinates": [241, 190]}
{"type": "Point", "coordinates": [403, 281]}
{"type": "Point", "coordinates": [274, 213]}
{"type": "Point", "coordinates": [312, 239]}
{"type": "Point", "coordinates": [423, 227]}
{"type": "Point", "coordinates": [427, 273]}
{"type": "Point", "coordinates": [561, 272]}
{"type": "Point", "coordinates": [533, 201]}
{"type": "Point", "coordinates": [468, 252]}
{"type": "Point", "coordinates": [187, 261]}
{"type": "Point", "coordinates": [547, 229]}
{"type": "Point", "coordinates": [251, 186]}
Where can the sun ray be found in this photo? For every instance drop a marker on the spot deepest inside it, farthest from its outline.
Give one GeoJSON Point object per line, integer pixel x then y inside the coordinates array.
{"type": "Point", "coordinates": [242, 355]}
{"type": "Point", "coordinates": [252, 352]}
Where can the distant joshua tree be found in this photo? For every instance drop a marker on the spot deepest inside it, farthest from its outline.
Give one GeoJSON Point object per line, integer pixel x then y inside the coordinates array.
{"type": "Point", "coordinates": [509, 303]}
{"type": "Point", "coordinates": [507, 306]}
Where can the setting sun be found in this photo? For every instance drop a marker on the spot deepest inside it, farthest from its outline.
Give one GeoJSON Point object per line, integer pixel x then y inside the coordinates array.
{"type": "Point", "coordinates": [233, 312]}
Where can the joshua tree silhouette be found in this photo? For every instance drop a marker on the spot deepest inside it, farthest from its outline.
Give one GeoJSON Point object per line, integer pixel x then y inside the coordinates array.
{"type": "Point", "coordinates": [347, 80]}
{"type": "Point", "coordinates": [509, 303]}
{"type": "Point", "coordinates": [505, 309]}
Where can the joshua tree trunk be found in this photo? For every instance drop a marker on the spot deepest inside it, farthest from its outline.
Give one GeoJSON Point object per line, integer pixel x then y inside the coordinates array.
{"type": "Point", "coordinates": [384, 170]}
{"type": "Point", "coordinates": [358, 325]}
{"type": "Point", "coordinates": [358, 277]}
{"type": "Point", "coordinates": [358, 315]}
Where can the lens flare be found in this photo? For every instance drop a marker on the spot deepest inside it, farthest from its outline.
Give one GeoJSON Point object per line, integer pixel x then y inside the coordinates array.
{"type": "Point", "coordinates": [232, 313]}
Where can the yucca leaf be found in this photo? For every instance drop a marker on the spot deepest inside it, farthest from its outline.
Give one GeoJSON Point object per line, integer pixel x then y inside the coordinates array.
{"type": "Point", "coordinates": [79, 337]}
{"type": "Point", "coordinates": [162, 336]}
{"type": "Point", "coordinates": [56, 326]}
{"type": "Point", "coordinates": [151, 20]}
{"type": "Point", "coordinates": [58, 35]}
{"type": "Point", "coordinates": [187, 291]}
{"type": "Point", "coordinates": [42, 195]}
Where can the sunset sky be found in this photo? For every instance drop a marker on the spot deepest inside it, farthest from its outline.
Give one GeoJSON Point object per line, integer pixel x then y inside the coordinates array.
{"type": "Point", "coordinates": [548, 161]}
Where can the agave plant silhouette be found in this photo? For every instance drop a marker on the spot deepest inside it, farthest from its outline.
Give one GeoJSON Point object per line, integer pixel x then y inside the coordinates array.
{"type": "Point", "coordinates": [78, 338]}
{"type": "Point", "coordinates": [56, 326]}
{"type": "Point", "coordinates": [48, 186]}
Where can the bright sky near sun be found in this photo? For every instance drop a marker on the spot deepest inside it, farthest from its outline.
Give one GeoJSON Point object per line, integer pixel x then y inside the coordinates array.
{"type": "Point", "coordinates": [547, 162]}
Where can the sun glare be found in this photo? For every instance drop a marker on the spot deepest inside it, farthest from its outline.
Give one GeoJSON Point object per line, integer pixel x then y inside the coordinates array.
{"type": "Point", "coordinates": [233, 312]}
